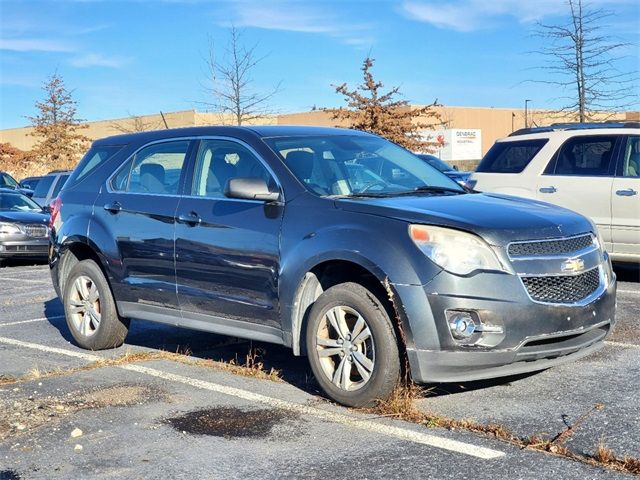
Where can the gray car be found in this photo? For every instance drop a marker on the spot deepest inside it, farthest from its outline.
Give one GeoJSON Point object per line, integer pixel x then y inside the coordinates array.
{"type": "Point", "coordinates": [24, 231]}
{"type": "Point", "coordinates": [49, 186]}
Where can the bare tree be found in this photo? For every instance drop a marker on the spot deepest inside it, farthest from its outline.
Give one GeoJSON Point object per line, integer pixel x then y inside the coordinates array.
{"type": "Point", "coordinates": [230, 82]}
{"type": "Point", "coordinates": [135, 123]}
{"type": "Point", "coordinates": [371, 110]}
{"type": "Point", "coordinates": [583, 59]}
{"type": "Point", "coordinates": [60, 143]}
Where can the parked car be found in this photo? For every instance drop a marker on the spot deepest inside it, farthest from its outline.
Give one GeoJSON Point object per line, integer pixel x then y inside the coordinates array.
{"type": "Point", "coordinates": [24, 229]}
{"type": "Point", "coordinates": [7, 181]}
{"type": "Point", "coordinates": [450, 171]}
{"type": "Point", "coordinates": [30, 182]}
{"type": "Point", "coordinates": [49, 186]}
{"type": "Point", "coordinates": [275, 234]}
{"type": "Point", "coordinates": [593, 169]}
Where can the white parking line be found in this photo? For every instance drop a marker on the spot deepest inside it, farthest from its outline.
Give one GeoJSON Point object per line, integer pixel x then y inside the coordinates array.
{"type": "Point", "coordinates": [620, 344]}
{"type": "Point", "coordinates": [27, 280]}
{"type": "Point", "coordinates": [31, 321]}
{"type": "Point", "coordinates": [348, 420]}
{"type": "Point", "coordinates": [628, 291]}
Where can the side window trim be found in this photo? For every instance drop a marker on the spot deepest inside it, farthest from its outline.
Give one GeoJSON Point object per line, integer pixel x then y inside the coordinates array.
{"type": "Point", "coordinates": [550, 169]}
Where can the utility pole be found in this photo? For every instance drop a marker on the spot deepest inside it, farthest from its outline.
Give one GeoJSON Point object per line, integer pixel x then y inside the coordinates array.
{"type": "Point", "coordinates": [526, 116]}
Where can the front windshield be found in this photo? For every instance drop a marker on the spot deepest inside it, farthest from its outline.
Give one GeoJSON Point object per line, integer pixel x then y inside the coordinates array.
{"type": "Point", "coordinates": [7, 180]}
{"type": "Point", "coordinates": [435, 162]}
{"type": "Point", "coordinates": [357, 165]}
{"type": "Point", "coordinates": [11, 202]}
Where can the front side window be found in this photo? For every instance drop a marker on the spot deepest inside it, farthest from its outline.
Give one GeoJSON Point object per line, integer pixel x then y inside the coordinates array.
{"type": "Point", "coordinates": [218, 161]}
{"type": "Point", "coordinates": [155, 169]}
{"type": "Point", "coordinates": [510, 157]}
{"type": "Point", "coordinates": [357, 165]}
{"type": "Point", "coordinates": [631, 158]}
{"type": "Point", "coordinates": [584, 156]}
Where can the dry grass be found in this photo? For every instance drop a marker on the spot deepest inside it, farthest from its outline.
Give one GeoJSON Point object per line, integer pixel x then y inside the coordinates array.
{"type": "Point", "coordinates": [401, 405]}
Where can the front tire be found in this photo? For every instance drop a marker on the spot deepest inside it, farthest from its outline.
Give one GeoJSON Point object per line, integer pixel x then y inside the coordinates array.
{"type": "Point", "coordinates": [90, 309]}
{"type": "Point", "coordinates": [352, 346]}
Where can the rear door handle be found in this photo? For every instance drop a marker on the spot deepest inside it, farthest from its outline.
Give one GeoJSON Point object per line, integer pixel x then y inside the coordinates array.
{"type": "Point", "coordinates": [550, 189]}
{"type": "Point", "coordinates": [113, 207]}
{"type": "Point", "coordinates": [629, 192]}
{"type": "Point", "coordinates": [191, 218]}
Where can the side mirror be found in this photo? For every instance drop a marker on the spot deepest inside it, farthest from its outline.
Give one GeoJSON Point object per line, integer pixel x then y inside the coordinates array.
{"type": "Point", "coordinates": [250, 188]}
{"type": "Point", "coordinates": [455, 167]}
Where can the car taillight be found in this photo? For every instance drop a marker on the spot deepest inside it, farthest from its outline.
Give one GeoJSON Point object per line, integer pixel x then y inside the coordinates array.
{"type": "Point", "coordinates": [54, 208]}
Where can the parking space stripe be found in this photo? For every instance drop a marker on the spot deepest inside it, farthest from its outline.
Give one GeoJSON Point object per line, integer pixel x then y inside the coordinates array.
{"type": "Point", "coordinates": [620, 344]}
{"type": "Point", "coordinates": [343, 419]}
{"type": "Point", "coordinates": [27, 280]}
{"type": "Point", "coordinates": [628, 291]}
{"type": "Point", "coordinates": [8, 324]}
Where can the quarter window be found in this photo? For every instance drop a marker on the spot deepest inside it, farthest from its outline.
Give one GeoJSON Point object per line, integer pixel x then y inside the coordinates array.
{"type": "Point", "coordinates": [218, 161]}
{"type": "Point", "coordinates": [155, 169]}
{"type": "Point", "coordinates": [584, 156]}
{"type": "Point", "coordinates": [510, 157]}
{"type": "Point", "coordinates": [631, 159]}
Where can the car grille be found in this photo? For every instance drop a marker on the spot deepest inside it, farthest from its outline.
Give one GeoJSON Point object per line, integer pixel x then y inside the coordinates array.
{"type": "Point", "coordinates": [37, 231]}
{"type": "Point", "coordinates": [550, 247]}
{"type": "Point", "coordinates": [562, 288]}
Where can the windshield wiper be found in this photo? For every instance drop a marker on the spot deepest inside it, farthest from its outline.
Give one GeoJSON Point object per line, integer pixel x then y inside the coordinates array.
{"type": "Point", "coordinates": [434, 189]}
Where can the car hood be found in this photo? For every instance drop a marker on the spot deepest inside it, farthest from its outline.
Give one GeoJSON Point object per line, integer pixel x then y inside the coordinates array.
{"type": "Point", "coordinates": [499, 219]}
{"type": "Point", "coordinates": [24, 217]}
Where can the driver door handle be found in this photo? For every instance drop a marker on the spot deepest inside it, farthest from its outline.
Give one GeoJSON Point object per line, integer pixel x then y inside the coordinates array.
{"type": "Point", "coordinates": [113, 207]}
{"type": "Point", "coordinates": [550, 189]}
{"type": "Point", "coordinates": [191, 218]}
{"type": "Point", "coordinates": [629, 192]}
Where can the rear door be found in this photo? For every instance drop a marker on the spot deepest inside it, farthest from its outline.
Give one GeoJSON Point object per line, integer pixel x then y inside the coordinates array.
{"type": "Point", "coordinates": [580, 176]}
{"type": "Point", "coordinates": [625, 200]}
{"type": "Point", "coordinates": [227, 250]}
{"type": "Point", "coordinates": [137, 209]}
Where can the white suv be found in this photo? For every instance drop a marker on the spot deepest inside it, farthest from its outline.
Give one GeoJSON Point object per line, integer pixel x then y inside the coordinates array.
{"type": "Point", "coordinates": [593, 169]}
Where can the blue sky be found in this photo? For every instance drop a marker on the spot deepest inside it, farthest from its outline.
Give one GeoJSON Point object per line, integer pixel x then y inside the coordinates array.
{"type": "Point", "coordinates": [138, 57]}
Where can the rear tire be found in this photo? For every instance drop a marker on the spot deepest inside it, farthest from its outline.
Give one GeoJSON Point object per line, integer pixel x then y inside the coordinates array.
{"type": "Point", "coordinates": [352, 346]}
{"type": "Point", "coordinates": [90, 309]}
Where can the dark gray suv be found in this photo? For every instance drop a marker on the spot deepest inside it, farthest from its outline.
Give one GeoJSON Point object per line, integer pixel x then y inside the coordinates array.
{"type": "Point", "coordinates": [336, 243]}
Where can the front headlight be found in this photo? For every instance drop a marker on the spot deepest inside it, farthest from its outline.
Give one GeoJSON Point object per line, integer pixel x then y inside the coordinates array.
{"type": "Point", "coordinates": [456, 251]}
{"type": "Point", "coordinates": [9, 229]}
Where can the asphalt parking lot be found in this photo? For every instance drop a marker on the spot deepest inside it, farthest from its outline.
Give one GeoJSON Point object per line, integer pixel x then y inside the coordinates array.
{"type": "Point", "coordinates": [134, 413]}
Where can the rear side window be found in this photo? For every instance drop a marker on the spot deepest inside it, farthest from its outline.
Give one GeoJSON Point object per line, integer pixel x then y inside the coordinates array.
{"type": "Point", "coordinates": [584, 156]}
{"type": "Point", "coordinates": [155, 169]}
{"type": "Point", "coordinates": [95, 157]}
{"type": "Point", "coordinates": [62, 179]}
{"type": "Point", "coordinates": [43, 186]}
{"type": "Point", "coordinates": [510, 157]}
{"type": "Point", "coordinates": [631, 159]}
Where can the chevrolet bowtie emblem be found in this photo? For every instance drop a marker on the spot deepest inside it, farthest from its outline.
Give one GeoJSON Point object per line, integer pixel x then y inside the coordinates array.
{"type": "Point", "coordinates": [573, 265]}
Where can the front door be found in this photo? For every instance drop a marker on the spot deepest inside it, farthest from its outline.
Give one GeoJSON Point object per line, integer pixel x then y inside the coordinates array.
{"type": "Point", "coordinates": [138, 210]}
{"type": "Point", "coordinates": [579, 177]}
{"type": "Point", "coordinates": [227, 250]}
{"type": "Point", "coordinates": [625, 200]}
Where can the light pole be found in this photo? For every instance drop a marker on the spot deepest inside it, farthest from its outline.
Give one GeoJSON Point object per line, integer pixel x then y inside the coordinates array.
{"type": "Point", "coordinates": [526, 116]}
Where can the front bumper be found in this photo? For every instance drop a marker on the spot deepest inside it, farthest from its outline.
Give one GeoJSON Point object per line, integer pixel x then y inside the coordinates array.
{"type": "Point", "coordinates": [27, 248]}
{"type": "Point", "coordinates": [535, 336]}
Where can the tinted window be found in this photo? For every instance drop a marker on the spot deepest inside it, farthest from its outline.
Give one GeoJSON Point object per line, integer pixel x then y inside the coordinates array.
{"type": "Point", "coordinates": [62, 179]}
{"type": "Point", "coordinates": [220, 160]}
{"type": "Point", "coordinates": [631, 158]}
{"type": "Point", "coordinates": [43, 186]}
{"type": "Point", "coordinates": [585, 156]}
{"type": "Point", "coordinates": [510, 157]}
{"type": "Point", "coordinates": [7, 180]}
{"type": "Point", "coordinates": [154, 169]}
{"type": "Point", "coordinates": [95, 157]}
{"type": "Point", "coordinates": [356, 165]}
{"type": "Point", "coordinates": [17, 203]}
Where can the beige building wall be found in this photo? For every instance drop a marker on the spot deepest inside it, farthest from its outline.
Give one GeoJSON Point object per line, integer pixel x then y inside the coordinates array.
{"type": "Point", "coordinates": [494, 122]}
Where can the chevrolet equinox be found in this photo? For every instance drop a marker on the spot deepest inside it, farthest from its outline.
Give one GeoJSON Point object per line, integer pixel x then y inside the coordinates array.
{"type": "Point", "coordinates": [336, 243]}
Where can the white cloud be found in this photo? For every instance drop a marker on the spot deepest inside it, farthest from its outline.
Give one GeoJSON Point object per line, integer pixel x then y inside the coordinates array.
{"type": "Point", "coordinates": [34, 45]}
{"type": "Point", "coordinates": [97, 60]}
{"type": "Point", "coordinates": [295, 16]}
{"type": "Point", "coordinates": [470, 15]}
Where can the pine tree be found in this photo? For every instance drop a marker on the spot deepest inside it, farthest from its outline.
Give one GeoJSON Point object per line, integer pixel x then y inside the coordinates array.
{"type": "Point", "coordinates": [60, 143]}
{"type": "Point", "coordinates": [371, 110]}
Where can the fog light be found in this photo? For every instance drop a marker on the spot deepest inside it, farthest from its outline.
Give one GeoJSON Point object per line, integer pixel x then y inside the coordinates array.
{"type": "Point", "coordinates": [462, 325]}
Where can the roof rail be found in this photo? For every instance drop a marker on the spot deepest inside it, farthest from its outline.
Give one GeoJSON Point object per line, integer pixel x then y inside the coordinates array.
{"type": "Point", "coordinates": [575, 126]}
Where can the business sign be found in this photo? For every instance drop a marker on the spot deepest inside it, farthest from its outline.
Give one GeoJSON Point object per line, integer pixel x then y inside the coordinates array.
{"type": "Point", "coordinates": [456, 143]}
